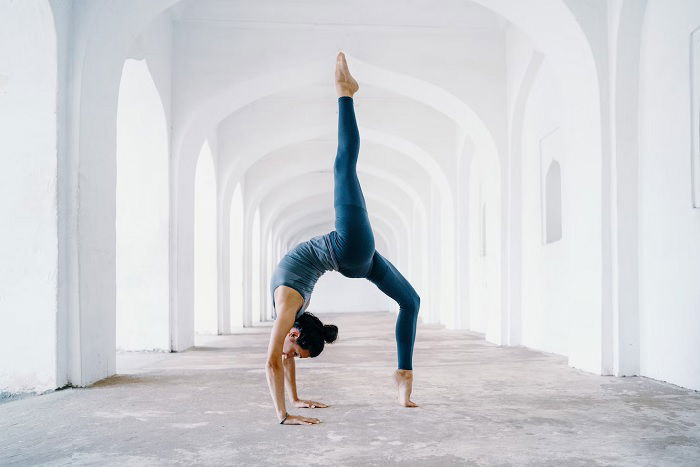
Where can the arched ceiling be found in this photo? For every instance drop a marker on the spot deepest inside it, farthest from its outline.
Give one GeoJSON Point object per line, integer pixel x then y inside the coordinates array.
{"type": "Point", "coordinates": [297, 214]}
{"type": "Point", "coordinates": [260, 103]}
{"type": "Point", "coordinates": [317, 156]}
{"type": "Point", "coordinates": [228, 55]}
{"type": "Point", "coordinates": [231, 55]}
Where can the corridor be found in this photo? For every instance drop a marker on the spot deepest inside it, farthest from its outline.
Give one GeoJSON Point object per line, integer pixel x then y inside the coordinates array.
{"type": "Point", "coordinates": [480, 404]}
{"type": "Point", "coordinates": [530, 167]}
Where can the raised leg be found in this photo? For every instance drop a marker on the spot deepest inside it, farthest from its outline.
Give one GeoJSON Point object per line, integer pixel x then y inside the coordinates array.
{"type": "Point", "coordinates": [353, 241]}
{"type": "Point", "coordinates": [347, 190]}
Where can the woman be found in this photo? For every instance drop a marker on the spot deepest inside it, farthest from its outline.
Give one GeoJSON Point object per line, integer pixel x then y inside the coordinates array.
{"type": "Point", "coordinates": [349, 249]}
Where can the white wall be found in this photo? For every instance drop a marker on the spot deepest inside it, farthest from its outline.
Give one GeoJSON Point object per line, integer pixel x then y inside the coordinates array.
{"type": "Point", "coordinates": [669, 226]}
{"type": "Point", "coordinates": [236, 258]}
{"type": "Point", "coordinates": [545, 311]}
{"type": "Point", "coordinates": [560, 280]}
{"type": "Point", "coordinates": [28, 197]}
{"type": "Point", "coordinates": [485, 248]}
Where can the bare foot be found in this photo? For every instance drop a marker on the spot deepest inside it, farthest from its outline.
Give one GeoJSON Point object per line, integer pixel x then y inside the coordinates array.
{"type": "Point", "coordinates": [404, 384]}
{"type": "Point", "coordinates": [345, 84]}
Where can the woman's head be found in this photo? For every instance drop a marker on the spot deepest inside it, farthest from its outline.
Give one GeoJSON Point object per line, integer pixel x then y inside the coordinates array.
{"type": "Point", "coordinates": [308, 336]}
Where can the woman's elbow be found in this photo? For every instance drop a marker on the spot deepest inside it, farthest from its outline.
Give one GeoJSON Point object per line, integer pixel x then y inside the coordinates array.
{"type": "Point", "coordinates": [273, 364]}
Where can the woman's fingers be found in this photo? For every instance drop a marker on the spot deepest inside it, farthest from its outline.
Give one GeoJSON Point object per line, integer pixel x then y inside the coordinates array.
{"type": "Point", "coordinates": [299, 420]}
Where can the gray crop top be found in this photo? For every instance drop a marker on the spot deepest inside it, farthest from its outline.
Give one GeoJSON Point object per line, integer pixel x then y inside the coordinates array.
{"type": "Point", "coordinates": [303, 265]}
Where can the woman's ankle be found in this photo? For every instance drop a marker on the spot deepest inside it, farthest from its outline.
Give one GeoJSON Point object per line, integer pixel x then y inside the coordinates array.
{"type": "Point", "coordinates": [344, 93]}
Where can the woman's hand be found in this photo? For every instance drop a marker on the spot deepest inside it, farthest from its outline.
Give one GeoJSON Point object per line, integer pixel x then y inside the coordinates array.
{"type": "Point", "coordinates": [302, 404]}
{"type": "Point", "coordinates": [299, 420]}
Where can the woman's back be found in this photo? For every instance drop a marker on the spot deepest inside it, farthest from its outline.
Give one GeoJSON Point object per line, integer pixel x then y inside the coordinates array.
{"type": "Point", "coordinates": [303, 265]}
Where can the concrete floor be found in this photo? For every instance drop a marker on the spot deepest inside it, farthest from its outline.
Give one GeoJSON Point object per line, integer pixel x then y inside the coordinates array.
{"type": "Point", "coordinates": [479, 405]}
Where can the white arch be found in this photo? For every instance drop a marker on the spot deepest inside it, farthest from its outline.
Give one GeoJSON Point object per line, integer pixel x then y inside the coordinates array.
{"type": "Point", "coordinates": [201, 120]}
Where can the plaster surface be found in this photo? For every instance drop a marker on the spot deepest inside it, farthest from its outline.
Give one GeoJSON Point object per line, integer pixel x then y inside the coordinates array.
{"type": "Point", "coordinates": [480, 404]}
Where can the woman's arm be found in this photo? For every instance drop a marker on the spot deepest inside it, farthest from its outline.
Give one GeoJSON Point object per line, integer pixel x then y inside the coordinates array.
{"type": "Point", "coordinates": [290, 380]}
{"type": "Point", "coordinates": [286, 304]}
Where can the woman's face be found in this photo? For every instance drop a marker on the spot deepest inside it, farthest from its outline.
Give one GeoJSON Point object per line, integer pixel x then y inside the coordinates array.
{"type": "Point", "coordinates": [290, 348]}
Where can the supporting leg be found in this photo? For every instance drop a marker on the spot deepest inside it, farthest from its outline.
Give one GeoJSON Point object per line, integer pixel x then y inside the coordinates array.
{"type": "Point", "coordinates": [390, 281]}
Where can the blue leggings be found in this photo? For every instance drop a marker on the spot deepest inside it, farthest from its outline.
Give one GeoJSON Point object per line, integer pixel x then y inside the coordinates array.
{"type": "Point", "coordinates": [353, 240]}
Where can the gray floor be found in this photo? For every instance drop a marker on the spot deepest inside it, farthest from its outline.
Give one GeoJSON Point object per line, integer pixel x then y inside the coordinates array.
{"type": "Point", "coordinates": [479, 405]}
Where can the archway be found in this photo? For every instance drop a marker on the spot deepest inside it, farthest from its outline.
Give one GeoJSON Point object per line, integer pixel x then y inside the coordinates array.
{"type": "Point", "coordinates": [142, 217]}
{"type": "Point", "coordinates": [255, 270]}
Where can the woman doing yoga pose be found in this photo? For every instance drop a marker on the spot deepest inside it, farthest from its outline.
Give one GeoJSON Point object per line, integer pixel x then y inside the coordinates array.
{"type": "Point", "coordinates": [349, 249]}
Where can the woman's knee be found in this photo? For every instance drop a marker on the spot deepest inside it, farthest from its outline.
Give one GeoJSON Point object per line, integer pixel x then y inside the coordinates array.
{"type": "Point", "coordinates": [416, 301]}
{"type": "Point", "coordinates": [412, 303]}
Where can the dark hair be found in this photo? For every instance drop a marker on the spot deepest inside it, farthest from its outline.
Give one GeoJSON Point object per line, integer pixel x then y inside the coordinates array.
{"type": "Point", "coordinates": [313, 333]}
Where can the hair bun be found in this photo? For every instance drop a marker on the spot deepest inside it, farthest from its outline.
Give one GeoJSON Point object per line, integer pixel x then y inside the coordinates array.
{"type": "Point", "coordinates": [330, 332]}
